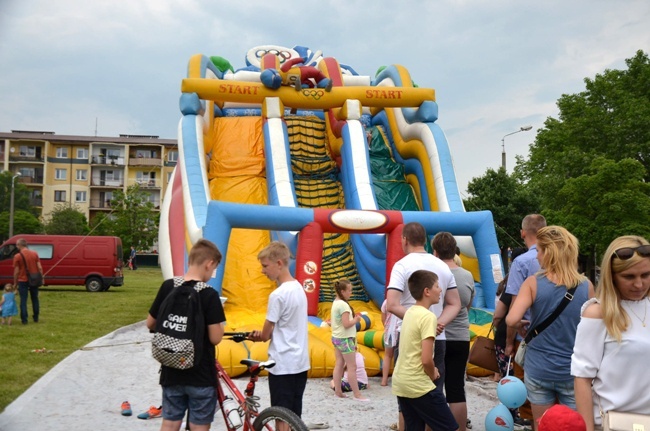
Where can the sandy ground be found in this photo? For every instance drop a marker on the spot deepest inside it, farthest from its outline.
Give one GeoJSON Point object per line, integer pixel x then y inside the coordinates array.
{"type": "Point", "coordinates": [85, 391]}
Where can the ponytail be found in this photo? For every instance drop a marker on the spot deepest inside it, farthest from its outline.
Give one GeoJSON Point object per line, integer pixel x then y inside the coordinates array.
{"type": "Point", "coordinates": [339, 286]}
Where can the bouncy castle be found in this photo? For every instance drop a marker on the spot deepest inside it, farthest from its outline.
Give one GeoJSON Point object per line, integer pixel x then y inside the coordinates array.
{"type": "Point", "coordinates": [298, 148]}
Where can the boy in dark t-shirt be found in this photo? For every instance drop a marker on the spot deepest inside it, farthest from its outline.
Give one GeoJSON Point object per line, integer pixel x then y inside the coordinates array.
{"type": "Point", "coordinates": [194, 388]}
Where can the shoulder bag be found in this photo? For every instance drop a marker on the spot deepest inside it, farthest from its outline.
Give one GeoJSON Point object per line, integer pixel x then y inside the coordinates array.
{"type": "Point", "coordinates": [623, 421]}
{"type": "Point", "coordinates": [34, 279]}
{"type": "Point", "coordinates": [483, 353]}
{"type": "Point", "coordinates": [534, 332]}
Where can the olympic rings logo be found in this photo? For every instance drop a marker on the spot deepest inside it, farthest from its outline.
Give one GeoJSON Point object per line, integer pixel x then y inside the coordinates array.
{"type": "Point", "coordinates": [313, 93]}
{"type": "Point", "coordinates": [284, 55]}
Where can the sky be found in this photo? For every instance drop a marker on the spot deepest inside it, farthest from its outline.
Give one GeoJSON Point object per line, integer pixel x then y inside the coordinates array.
{"type": "Point", "coordinates": [111, 67]}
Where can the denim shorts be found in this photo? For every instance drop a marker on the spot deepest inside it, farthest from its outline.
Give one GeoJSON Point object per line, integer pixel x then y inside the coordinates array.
{"type": "Point", "coordinates": [201, 400]}
{"type": "Point", "coordinates": [544, 392]}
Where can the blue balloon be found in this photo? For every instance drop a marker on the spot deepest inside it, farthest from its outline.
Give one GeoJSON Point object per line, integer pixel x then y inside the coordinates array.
{"type": "Point", "coordinates": [511, 392]}
{"type": "Point", "coordinates": [271, 79]}
{"type": "Point", "coordinates": [499, 419]}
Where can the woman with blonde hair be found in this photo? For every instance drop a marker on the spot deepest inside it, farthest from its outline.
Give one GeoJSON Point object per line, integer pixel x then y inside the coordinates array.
{"type": "Point", "coordinates": [548, 355]}
{"type": "Point", "coordinates": [610, 357]}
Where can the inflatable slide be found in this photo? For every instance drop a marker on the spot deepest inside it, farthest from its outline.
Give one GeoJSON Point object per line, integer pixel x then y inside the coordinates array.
{"type": "Point", "coordinates": [299, 148]}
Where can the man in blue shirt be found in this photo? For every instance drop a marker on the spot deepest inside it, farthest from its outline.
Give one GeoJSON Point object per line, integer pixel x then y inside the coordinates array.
{"type": "Point", "coordinates": [523, 267]}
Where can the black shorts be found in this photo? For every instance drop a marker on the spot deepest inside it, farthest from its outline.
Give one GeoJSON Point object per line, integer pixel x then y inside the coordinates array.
{"type": "Point", "coordinates": [286, 390]}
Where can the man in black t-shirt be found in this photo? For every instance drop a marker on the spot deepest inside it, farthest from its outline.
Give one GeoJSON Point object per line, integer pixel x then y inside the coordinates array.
{"type": "Point", "coordinates": [194, 388]}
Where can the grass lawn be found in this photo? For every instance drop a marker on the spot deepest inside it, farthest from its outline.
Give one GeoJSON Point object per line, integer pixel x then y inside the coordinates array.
{"type": "Point", "coordinates": [70, 318]}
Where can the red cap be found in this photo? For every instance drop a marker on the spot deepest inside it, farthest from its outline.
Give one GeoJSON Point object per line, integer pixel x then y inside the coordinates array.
{"type": "Point", "coordinates": [561, 418]}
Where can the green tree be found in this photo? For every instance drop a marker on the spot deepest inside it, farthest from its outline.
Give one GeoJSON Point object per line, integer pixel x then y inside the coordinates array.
{"type": "Point", "coordinates": [101, 224]}
{"type": "Point", "coordinates": [610, 119]}
{"type": "Point", "coordinates": [609, 200]}
{"type": "Point", "coordinates": [66, 219]}
{"type": "Point", "coordinates": [133, 218]}
{"type": "Point", "coordinates": [24, 222]}
{"type": "Point", "coordinates": [507, 198]}
{"type": "Point", "coordinates": [590, 166]}
{"type": "Point", "coordinates": [21, 193]}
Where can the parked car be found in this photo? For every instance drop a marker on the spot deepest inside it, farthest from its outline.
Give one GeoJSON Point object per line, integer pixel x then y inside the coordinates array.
{"type": "Point", "coordinates": [93, 261]}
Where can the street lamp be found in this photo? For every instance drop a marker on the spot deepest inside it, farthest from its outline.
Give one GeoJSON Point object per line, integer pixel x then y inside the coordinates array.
{"type": "Point", "coordinates": [11, 206]}
{"type": "Point", "coordinates": [503, 144]}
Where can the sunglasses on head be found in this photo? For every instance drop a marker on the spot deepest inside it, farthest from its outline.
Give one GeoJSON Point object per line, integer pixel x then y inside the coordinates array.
{"type": "Point", "coordinates": [627, 252]}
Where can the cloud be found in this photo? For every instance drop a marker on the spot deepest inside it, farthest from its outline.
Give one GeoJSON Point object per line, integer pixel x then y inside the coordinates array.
{"type": "Point", "coordinates": [495, 65]}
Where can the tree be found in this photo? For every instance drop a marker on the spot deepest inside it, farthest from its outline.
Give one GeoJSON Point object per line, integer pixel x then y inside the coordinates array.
{"type": "Point", "coordinates": [21, 193]}
{"type": "Point", "coordinates": [24, 222]}
{"type": "Point", "coordinates": [508, 199]}
{"type": "Point", "coordinates": [66, 219]}
{"type": "Point", "coordinates": [133, 218]}
{"type": "Point", "coordinates": [590, 167]}
{"type": "Point", "coordinates": [610, 119]}
{"type": "Point", "coordinates": [618, 203]}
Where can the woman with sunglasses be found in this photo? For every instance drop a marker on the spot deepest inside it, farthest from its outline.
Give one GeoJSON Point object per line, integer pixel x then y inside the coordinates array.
{"type": "Point", "coordinates": [610, 357]}
{"type": "Point", "coordinates": [547, 370]}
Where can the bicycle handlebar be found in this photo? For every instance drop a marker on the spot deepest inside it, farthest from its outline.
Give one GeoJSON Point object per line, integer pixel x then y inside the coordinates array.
{"type": "Point", "coordinates": [237, 337]}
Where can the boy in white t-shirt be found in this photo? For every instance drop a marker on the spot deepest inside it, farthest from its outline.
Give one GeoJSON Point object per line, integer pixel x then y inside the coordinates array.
{"type": "Point", "coordinates": [286, 327]}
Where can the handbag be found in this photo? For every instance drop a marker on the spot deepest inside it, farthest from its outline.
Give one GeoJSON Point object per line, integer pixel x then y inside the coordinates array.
{"type": "Point", "coordinates": [34, 279]}
{"type": "Point", "coordinates": [520, 356]}
{"type": "Point", "coordinates": [483, 353]}
{"type": "Point", "coordinates": [623, 421]}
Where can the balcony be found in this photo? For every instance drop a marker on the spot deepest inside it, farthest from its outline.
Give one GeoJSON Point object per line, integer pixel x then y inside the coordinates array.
{"type": "Point", "coordinates": [36, 180]}
{"type": "Point", "coordinates": [25, 158]}
{"type": "Point", "coordinates": [146, 183]}
{"type": "Point", "coordinates": [107, 160]}
{"type": "Point", "coordinates": [36, 202]}
{"type": "Point", "coordinates": [145, 161]}
{"type": "Point", "coordinates": [99, 204]}
{"type": "Point", "coordinates": [107, 183]}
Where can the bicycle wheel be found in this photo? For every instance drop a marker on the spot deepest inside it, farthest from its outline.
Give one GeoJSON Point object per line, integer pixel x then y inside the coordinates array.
{"type": "Point", "coordinates": [269, 417]}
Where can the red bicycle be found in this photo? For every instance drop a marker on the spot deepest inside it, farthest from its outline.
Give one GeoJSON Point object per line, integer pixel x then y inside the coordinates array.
{"type": "Point", "coordinates": [242, 411]}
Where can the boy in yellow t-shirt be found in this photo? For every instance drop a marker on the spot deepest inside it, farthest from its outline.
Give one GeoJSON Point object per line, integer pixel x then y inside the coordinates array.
{"type": "Point", "coordinates": [415, 370]}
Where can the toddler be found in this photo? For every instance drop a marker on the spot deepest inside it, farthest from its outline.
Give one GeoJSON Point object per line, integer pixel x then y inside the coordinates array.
{"type": "Point", "coordinates": [8, 304]}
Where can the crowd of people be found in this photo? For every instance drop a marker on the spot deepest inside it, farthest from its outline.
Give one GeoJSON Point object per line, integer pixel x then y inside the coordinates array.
{"type": "Point", "coordinates": [585, 347]}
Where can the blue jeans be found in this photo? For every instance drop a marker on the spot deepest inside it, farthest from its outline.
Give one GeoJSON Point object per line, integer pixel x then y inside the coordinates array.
{"type": "Point", "coordinates": [23, 289]}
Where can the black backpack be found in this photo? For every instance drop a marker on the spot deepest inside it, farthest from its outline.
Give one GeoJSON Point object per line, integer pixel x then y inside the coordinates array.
{"type": "Point", "coordinates": [180, 326]}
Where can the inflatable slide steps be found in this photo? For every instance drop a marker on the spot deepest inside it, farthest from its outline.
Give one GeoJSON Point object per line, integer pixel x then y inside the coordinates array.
{"type": "Point", "coordinates": [315, 176]}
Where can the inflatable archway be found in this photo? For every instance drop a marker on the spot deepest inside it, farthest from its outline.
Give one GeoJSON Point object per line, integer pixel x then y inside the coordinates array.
{"type": "Point", "coordinates": [299, 148]}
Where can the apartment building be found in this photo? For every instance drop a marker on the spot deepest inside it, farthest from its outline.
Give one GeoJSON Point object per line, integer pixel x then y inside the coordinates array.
{"type": "Point", "coordinates": [85, 171]}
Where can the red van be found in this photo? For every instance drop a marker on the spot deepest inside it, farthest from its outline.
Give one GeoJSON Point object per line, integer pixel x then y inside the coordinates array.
{"type": "Point", "coordinates": [94, 261]}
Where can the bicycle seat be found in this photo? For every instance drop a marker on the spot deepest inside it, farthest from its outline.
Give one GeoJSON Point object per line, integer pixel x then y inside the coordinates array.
{"type": "Point", "coordinates": [251, 363]}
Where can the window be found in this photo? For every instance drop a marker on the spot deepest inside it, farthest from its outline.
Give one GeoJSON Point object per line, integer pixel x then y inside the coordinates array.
{"type": "Point", "coordinates": [60, 174]}
{"type": "Point", "coordinates": [27, 151]}
{"type": "Point", "coordinates": [27, 172]}
{"type": "Point", "coordinates": [82, 153]}
{"type": "Point", "coordinates": [59, 196]}
{"type": "Point", "coordinates": [82, 175]}
{"type": "Point", "coordinates": [80, 197]}
{"type": "Point", "coordinates": [44, 251]}
{"type": "Point", "coordinates": [62, 153]}
{"type": "Point", "coordinates": [169, 177]}
{"type": "Point", "coordinates": [172, 156]}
